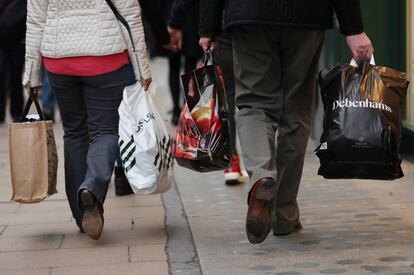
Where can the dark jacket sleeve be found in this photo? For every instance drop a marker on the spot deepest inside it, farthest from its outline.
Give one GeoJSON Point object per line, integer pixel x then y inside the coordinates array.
{"type": "Point", "coordinates": [211, 18]}
{"type": "Point", "coordinates": [349, 16]}
{"type": "Point", "coordinates": [179, 12]}
{"type": "Point", "coordinates": [153, 11]}
{"type": "Point", "coordinates": [4, 4]}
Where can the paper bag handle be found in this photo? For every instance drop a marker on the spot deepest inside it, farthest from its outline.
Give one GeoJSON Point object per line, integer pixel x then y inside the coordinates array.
{"type": "Point", "coordinates": [31, 99]}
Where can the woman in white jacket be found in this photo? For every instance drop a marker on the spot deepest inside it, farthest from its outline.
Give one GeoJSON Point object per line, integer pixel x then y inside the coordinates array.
{"type": "Point", "coordinates": [86, 51]}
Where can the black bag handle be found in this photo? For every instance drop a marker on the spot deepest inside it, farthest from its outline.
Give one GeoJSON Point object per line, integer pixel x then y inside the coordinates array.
{"type": "Point", "coordinates": [32, 99]}
{"type": "Point", "coordinates": [208, 55]}
{"type": "Point", "coordinates": [126, 25]}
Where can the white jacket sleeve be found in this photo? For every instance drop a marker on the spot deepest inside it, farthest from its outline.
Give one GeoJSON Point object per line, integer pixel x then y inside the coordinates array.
{"type": "Point", "coordinates": [131, 11]}
{"type": "Point", "coordinates": [36, 17]}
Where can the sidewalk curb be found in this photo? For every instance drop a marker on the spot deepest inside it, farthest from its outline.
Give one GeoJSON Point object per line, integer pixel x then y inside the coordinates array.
{"type": "Point", "coordinates": [180, 248]}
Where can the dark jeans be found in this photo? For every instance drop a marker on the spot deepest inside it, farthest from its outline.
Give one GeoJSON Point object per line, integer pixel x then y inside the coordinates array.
{"type": "Point", "coordinates": [224, 59]}
{"type": "Point", "coordinates": [11, 65]}
{"type": "Point", "coordinates": [89, 111]}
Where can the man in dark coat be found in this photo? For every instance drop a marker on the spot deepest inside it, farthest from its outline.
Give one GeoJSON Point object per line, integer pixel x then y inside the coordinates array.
{"type": "Point", "coordinates": [12, 33]}
{"type": "Point", "coordinates": [277, 44]}
{"type": "Point", "coordinates": [183, 27]}
{"type": "Point", "coordinates": [153, 11]}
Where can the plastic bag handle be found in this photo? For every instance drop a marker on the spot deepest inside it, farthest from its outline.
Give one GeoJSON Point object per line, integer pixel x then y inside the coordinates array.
{"type": "Point", "coordinates": [32, 99]}
{"type": "Point", "coordinates": [355, 64]}
{"type": "Point", "coordinates": [208, 55]}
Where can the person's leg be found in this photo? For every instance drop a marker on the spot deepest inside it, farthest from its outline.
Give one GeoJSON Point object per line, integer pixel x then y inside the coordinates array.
{"type": "Point", "coordinates": [3, 89]}
{"type": "Point", "coordinates": [16, 61]}
{"type": "Point", "coordinates": [259, 99]}
{"type": "Point", "coordinates": [259, 94]}
{"type": "Point", "coordinates": [102, 96]}
{"type": "Point", "coordinates": [300, 51]}
{"type": "Point", "coordinates": [122, 186]}
{"type": "Point", "coordinates": [69, 95]}
{"type": "Point", "coordinates": [174, 81]}
{"type": "Point", "coordinates": [224, 58]}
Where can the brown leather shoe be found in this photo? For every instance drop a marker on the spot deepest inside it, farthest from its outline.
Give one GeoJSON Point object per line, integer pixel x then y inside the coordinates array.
{"type": "Point", "coordinates": [297, 227]}
{"type": "Point", "coordinates": [258, 220]}
{"type": "Point", "coordinates": [92, 220]}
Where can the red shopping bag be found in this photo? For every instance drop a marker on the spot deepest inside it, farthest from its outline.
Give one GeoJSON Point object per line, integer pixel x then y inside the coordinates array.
{"type": "Point", "coordinates": [202, 136]}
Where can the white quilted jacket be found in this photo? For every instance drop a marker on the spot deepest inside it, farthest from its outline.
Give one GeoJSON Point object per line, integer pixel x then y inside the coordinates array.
{"type": "Point", "coordinates": [67, 28]}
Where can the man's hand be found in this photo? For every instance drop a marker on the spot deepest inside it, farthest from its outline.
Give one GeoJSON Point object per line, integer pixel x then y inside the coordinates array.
{"type": "Point", "coordinates": [208, 43]}
{"type": "Point", "coordinates": [360, 46]}
{"type": "Point", "coordinates": [146, 83]}
{"type": "Point", "coordinates": [170, 46]}
{"type": "Point", "coordinates": [176, 38]}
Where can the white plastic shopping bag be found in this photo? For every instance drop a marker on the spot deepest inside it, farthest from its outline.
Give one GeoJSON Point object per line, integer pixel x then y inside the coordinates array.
{"type": "Point", "coordinates": [144, 142]}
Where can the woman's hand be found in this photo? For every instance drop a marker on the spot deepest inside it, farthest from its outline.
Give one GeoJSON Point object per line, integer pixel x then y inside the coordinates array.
{"type": "Point", "coordinates": [146, 83]}
{"type": "Point", "coordinates": [36, 90]}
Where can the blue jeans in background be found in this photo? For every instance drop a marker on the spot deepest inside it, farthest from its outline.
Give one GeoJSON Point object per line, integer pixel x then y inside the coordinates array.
{"type": "Point", "coordinates": [48, 98]}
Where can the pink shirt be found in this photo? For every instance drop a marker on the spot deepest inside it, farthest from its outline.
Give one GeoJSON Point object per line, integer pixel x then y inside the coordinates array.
{"type": "Point", "coordinates": [86, 65]}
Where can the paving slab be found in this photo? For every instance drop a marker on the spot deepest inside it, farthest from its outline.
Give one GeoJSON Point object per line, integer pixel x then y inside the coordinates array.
{"type": "Point", "coordinates": [9, 207]}
{"type": "Point", "coordinates": [63, 257]}
{"type": "Point", "coordinates": [10, 244]}
{"type": "Point", "coordinates": [36, 218]}
{"type": "Point", "coordinates": [121, 232]}
{"type": "Point", "coordinates": [147, 253]}
{"type": "Point", "coordinates": [148, 268]}
{"type": "Point", "coordinates": [31, 271]}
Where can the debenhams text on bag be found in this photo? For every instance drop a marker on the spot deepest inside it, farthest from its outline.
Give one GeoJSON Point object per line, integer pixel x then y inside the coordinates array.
{"type": "Point", "coordinates": [360, 104]}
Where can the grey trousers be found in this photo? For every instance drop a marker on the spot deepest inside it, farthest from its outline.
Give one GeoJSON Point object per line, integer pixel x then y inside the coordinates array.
{"type": "Point", "coordinates": [89, 110]}
{"type": "Point", "coordinates": [275, 71]}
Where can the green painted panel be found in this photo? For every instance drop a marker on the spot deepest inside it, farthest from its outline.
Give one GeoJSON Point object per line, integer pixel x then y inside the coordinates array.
{"type": "Point", "coordinates": [384, 22]}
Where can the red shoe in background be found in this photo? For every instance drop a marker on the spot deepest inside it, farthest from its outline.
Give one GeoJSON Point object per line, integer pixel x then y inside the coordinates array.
{"type": "Point", "coordinates": [233, 175]}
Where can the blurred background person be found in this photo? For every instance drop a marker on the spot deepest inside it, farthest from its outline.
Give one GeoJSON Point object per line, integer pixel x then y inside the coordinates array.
{"type": "Point", "coordinates": [183, 28]}
{"type": "Point", "coordinates": [224, 56]}
{"type": "Point", "coordinates": [12, 33]}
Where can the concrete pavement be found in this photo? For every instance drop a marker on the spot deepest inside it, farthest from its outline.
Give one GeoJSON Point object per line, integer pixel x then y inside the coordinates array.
{"type": "Point", "coordinates": [42, 238]}
{"type": "Point", "coordinates": [350, 227]}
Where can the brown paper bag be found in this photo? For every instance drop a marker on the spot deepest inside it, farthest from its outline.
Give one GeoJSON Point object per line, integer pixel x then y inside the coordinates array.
{"type": "Point", "coordinates": [33, 159]}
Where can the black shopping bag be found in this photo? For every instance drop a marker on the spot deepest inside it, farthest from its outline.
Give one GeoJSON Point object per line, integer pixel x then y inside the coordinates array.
{"type": "Point", "coordinates": [202, 135]}
{"type": "Point", "coordinates": [362, 122]}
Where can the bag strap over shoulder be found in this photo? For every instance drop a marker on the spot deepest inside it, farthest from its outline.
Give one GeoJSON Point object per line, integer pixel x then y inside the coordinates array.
{"type": "Point", "coordinates": [126, 25]}
{"type": "Point", "coordinates": [32, 99]}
